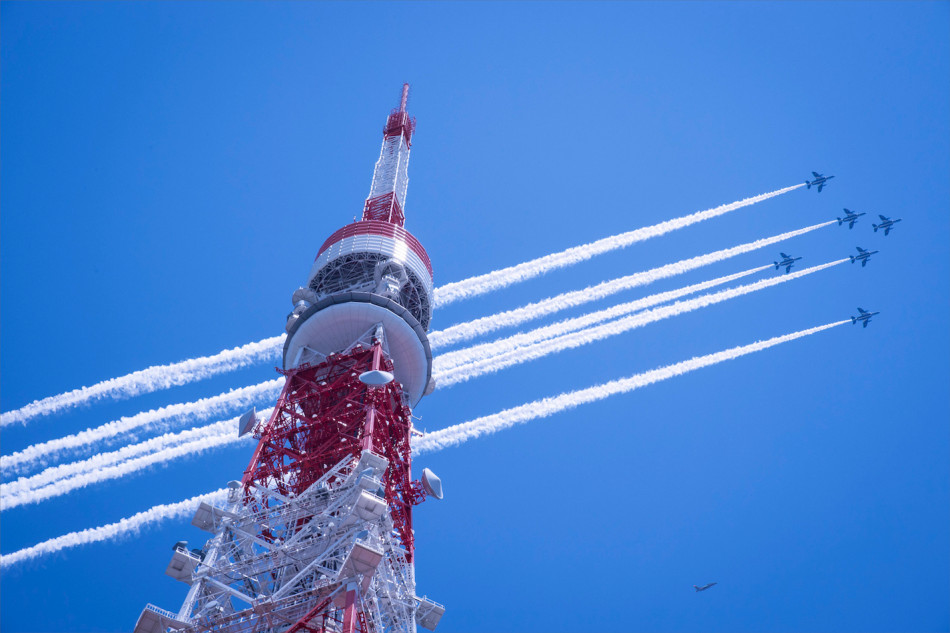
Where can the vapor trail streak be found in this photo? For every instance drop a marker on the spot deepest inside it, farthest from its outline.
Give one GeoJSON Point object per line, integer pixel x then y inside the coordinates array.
{"type": "Point", "coordinates": [150, 379]}
{"type": "Point", "coordinates": [194, 441]}
{"type": "Point", "coordinates": [491, 364]}
{"type": "Point", "coordinates": [117, 464]}
{"type": "Point", "coordinates": [451, 360]}
{"type": "Point", "coordinates": [474, 286]}
{"type": "Point", "coordinates": [39, 455]}
{"type": "Point", "coordinates": [130, 525]}
{"type": "Point", "coordinates": [431, 442]}
{"type": "Point", "coordinates": [164, 376]}
{"type": "Point", "coordinates": [485, 325]}
{"type": "Point", "coordinates": [460, 433]}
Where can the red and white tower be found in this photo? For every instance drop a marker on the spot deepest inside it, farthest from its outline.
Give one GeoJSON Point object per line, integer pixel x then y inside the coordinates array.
{"type": "Point", "coordinates": [317, 535]}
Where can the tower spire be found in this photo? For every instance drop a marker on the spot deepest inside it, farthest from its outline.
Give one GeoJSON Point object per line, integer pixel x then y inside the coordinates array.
{"type": "Point", "coordinates": [405, 98]}
{"type": "Point", "coordinates": [387, 194]}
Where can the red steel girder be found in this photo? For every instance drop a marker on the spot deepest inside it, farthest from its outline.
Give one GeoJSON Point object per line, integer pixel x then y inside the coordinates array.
{"type": "Point", "coordinates": [325, 414]}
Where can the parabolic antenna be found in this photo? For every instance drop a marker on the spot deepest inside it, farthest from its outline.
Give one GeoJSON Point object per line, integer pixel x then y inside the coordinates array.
{"type": "Point", "coordinates": [376, 378]}
{"type": "Point", "coordinates": [431, 483]}
{"type": "Point", "coordinates": [304, 294]}
{"type": "Point", "coordinates": [247, 422]}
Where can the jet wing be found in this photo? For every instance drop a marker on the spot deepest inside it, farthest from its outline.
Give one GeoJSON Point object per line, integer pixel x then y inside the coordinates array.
{"type": "Point", "coordinates": [864, 262]}
{"type": "Point", "coordinates": [861, 250]}
{"type": "Point", "coordinates": [883, 217]}
{"type": "Point", "coordinates": [862, 311]}
{"type": "Point", "coordinates": [784, 256]}
{"type": "Point", "coordinates": [866, 321]}
{"type": "Point", "coordinates": [816, 174]}
{"type": "Point", "coordinates": [820, 187]}
{"type": "Point", "coordinates": [887, 230]}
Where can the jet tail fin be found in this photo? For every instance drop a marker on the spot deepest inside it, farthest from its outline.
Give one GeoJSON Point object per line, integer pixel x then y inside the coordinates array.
{"type": "Point", "coordinates": [875, 227]}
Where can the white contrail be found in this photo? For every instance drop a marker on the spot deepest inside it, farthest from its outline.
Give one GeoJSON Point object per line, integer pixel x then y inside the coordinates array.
{"type": "Point", "coordinates": [150, 379]}
{"type": "Point", "coordinates": [130, 525]}
{"type": "Point", "coordinates": [450, 360]}
{"type": "Point", "coordinates": [474, 286]}
{"type": "Point", "coordinates": [171, 446]}
{"type": "Point", "coordinates": [54, 481]}
{"type": "Point", "coordinates": [527, 353]}
{"type": "Point", "coordinates": [459, 433]}
{"type": "Point", "coordinates": [39, 455]}
{"type": "Point", "coordinates": [429, 443]}
{"type": "Point", "coordinates": [485, 325]}
{"type": "Point", "coordinates": [185, 443]}
{"type": "Point", "coordinates": [164, 376]}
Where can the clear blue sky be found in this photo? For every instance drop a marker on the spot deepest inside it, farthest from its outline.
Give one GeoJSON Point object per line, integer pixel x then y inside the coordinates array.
{"type": "Point", "coordinates": [170, 169]}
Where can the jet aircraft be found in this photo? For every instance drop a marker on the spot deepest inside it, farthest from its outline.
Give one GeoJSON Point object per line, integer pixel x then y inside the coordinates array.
{"type": "Point", "coordinates": [787, 261]}
{"type": "Point", "coordinates": [864, 316]}
{"type": "Point", "coordinates": [886, 223]}
{"type": "Point", "coordinates": [819, 181]}
{"type": "Point", "coordinates": [863, 256]}
{"type": "Point", "coordinates": [704, 587]}
{"type": "Point", "coordinates": [850, 217]}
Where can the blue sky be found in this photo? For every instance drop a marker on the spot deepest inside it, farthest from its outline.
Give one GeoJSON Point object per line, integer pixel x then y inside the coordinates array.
{"type": "Point", "coordinates": [170, 170]}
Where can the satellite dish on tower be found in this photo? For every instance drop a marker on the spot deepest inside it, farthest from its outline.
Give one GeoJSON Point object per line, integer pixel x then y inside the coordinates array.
{"type": "Point", "coordinates": [303, 294]}
{"type": "Point", "coordinates": [247, 422]}
{"type": "Point", "coordinates": [376, 378]}
{"type": "Point", "coordinates": [431, 483]}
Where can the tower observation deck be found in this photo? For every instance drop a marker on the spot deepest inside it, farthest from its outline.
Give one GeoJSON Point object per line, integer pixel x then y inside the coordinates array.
{"type": "Point", "coordinates": [317, 535]}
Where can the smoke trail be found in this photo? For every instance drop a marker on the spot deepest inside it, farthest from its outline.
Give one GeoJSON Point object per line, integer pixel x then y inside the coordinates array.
{"type": "Point", "coordinates": [38, 455]}
{"type": "Point", "coordinates": [474, 286]}
{"type": "Point", "coordinates": [449, 361]}
{"type": "Point", "coordinates": [430, 443]}
{"type": "Point", "coordinates": [198, 440]}
{"type": "Point", "coordinates": [59, 477]}
{"type": "Point", "coordinates": [130, 525]}
{"type": "Point", "coordinates": [150, 379]}
{"type": "Point", "coordinates": [168, 447]}
{"type": "Point", "coordinates": [524, 354]}
{"type": "Point", "coordinates": [460, 433]}
{"type": "Point", "coordinates": [164, 376]}
{"type": "Point", "coordinates": [484, 325]}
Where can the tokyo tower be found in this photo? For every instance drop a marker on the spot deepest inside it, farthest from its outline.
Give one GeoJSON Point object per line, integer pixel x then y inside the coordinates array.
{"type": "Point", "coordinates": [317, 535]}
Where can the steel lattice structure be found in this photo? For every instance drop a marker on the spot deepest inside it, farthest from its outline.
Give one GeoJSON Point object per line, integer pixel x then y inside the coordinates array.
{"type": "Point", "coordinates": [317, 535]}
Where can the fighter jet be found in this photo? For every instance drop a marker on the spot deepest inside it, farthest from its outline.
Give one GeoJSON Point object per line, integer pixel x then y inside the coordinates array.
{"type": "Point", "coordinates": [704, 587]}
{"type": "Point", "coordinates": [787, 261]}
{"type": "Point", "coordinates": [850, 217]}
{"type": "Point", "coordinates": [864, 316]}
{"type": "Point", "coordinates": [886, 223]}
{"type": "Point", "coordinates": [863, 256]}
{"type": "Point", "coordinates": [819, 181]}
